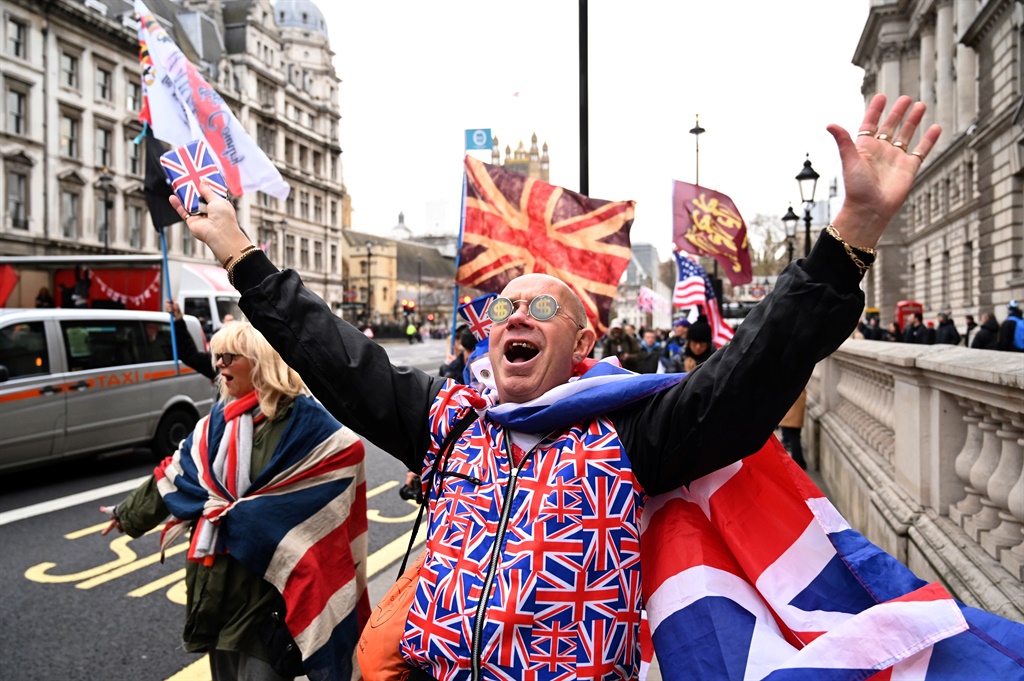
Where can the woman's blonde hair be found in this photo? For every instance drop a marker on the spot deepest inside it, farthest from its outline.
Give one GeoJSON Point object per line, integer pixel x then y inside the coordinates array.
{"type": "Point", "coordinates": [274, 381]}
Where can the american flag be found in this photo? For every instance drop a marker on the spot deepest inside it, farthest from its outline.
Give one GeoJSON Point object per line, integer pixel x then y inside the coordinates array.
{"type": "Point", "coordinates": [735, 593]}
{"type": "Point", "coordinates": [515, 225]}
{"type": "Point", "coordinates": [694, 289]}
{"type": "Point", "coordinates": [301, 525]}
{"type": "Point", "coordinates": [189, 165]}
{"type": "Point", "coordinates": [645, 299]}
{"type": "Point", "coordinates": [475, 314]}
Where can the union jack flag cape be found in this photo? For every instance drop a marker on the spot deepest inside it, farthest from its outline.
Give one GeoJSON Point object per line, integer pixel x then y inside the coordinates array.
{"type": "Point", "coordinates": [751, 573]}
{"type": "Point", "coordinates": [514, 225]}
{"type": "Point", "coordinates": [301, 525]}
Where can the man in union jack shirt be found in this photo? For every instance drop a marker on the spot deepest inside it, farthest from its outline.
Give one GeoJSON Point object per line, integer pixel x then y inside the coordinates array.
{"type": "Point", "coordinates": [532, 564]}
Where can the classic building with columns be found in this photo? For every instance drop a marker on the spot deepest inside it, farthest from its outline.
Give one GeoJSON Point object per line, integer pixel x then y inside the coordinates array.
{"type": "Point", "coordinates": [71, 96]}
{"type": "Point", "coordinates": [958, 244]}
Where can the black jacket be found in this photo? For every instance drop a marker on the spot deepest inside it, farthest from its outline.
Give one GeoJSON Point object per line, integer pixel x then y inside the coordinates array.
{"type": "Point", "coordinates": [947, 334]}
{"type": "Point", "coordinates": [986, 338]}
{"type": "Point", "coordinates": [671, 438]}
{"type": "Point", "coordinates": [1006, 332]}
{"type": "Point", "coordinates": [189, 354]}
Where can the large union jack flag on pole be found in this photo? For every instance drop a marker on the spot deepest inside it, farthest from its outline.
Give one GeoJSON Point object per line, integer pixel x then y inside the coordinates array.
{"type": "Point", "coordinates": [189, 165]}
{"type": "Point", "coordinates": [514, 225]}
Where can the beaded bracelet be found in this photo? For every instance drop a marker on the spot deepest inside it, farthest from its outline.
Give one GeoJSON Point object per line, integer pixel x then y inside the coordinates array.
{"type": "Point", "coordinates": [849, 250]}
{"type": "Point", "coordinates": [232, 263]}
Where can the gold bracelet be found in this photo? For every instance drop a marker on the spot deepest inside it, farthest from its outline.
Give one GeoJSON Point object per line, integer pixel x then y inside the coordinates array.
{"type": "Point", "coordinates": [232, 263]}
{"type": "Point", "coordinates": [849, 250]}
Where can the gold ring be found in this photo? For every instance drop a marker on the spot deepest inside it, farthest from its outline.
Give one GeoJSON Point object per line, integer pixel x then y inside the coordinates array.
{"type": "Point", "coordinates": [899, 145]}
{"type": "Point", "coordinates": [882, 138]}
{"type": "Point", "coordinates": [920, 156]}
{"type": "Point", "coordinates": [865, 132]}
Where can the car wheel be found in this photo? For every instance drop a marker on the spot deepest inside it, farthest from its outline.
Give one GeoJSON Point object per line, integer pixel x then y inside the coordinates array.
{"type": "Point", "coordinates": [174, 427]}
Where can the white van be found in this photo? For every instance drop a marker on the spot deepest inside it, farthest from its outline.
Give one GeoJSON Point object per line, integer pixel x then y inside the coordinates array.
{"type": "Point", "coordinates": [80, 381]}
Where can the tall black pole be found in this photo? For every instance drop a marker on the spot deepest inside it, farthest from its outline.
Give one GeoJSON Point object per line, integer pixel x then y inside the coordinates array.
{"type": "Point", "coordinates": [696, 131]}
{"type": "Point", "coordinates": [584, 125]}
{"type": "Point", "coordinates": [807, 228]}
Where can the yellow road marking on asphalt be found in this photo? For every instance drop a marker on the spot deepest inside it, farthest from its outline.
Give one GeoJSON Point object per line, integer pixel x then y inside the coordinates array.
{"type": "Point", "coordinates": [377, 561]}
{"type": "Point", "coordinates": [381, 488]}
{"type": "Point", "coordinates": [197, 671]}
{"type": "Point", "coordinates": [89, 530]}
{"type": "Point", "coordinates": [391, 552]}
{"type": "Point", "coordinates": [131, 567]}
{"type": "Point", "coordinates": [158, 584]}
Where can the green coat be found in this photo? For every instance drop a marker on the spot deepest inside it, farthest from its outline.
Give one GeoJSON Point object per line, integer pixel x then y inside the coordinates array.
{"type": "Point", "coordinates": [225, 602]}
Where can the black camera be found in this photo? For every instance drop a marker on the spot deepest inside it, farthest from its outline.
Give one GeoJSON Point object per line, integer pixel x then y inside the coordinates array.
{"type": "Point", "coordinates": [413, 491]}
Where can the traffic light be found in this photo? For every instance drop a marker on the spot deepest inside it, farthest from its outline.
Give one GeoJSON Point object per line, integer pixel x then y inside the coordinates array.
{"type": "Point", "coordinates": [408, 306]}
{"type": "Point", "coordinates": [430, 317]}
{"type": "Point", "coordinates": [465, 300]}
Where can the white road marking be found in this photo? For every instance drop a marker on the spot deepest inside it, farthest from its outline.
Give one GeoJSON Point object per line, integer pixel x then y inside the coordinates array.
{"type": "Point", "coordinates": [70, 500]}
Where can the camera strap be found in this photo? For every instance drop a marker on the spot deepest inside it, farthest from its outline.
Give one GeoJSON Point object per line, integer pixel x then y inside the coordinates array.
{"type": "Point", "coordinates": [447, 446]}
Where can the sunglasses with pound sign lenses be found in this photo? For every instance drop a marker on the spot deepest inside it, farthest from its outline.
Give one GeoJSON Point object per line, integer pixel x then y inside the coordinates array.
{"type": "Point", "coordinates": [542, 308]}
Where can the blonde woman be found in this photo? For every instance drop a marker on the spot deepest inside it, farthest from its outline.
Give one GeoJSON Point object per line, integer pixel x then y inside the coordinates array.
{"type": "Point", "coordinates": [273, 490]}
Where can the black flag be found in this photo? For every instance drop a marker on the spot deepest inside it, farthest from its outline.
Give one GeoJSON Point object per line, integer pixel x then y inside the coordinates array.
{"type": "Point", "coordinates": [158, 188]}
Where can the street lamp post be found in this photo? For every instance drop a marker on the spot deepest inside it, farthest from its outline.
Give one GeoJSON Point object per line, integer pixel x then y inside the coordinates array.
{"type": "Point", "coordinates": [696, 131]}
{"type": "Point", "coordinates": [790, 219]}
{"type": "Point", "coordinates": [419, 284]}
{"type": "Point", "coordinates": [106, 182]}
{"type": "Point", "coordinates": [808, 181]}
{"type": "Point", "coordinates": [283, 224]}
{"type": "Point", "coordinates": [369, 282]}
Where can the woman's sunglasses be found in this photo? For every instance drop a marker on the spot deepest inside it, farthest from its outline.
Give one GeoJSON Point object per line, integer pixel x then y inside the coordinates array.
{"type": "Point", "coordinates": [225, 358]}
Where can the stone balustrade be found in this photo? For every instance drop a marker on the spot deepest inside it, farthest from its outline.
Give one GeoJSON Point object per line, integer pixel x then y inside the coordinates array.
{"type": "Point", "coordinates": [922, 449]}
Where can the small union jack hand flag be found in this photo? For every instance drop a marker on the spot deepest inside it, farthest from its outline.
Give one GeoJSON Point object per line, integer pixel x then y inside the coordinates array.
{"type": "Point", "coordinates": [186, 167]}
{"type": "Point", "coordinates": [475, 313]}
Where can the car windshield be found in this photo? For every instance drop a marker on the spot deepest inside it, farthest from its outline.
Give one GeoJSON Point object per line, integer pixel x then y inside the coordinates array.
{"type": "Point", "coordinates": [229, 306]}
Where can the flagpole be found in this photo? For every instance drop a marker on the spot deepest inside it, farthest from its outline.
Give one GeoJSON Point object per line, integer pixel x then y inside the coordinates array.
{"type": "Point", "coordinates": [584, 103]}
{"type": "Point", "coordinates": [458, 256]}
{"type": "Point", "coordinates": [167, 280]}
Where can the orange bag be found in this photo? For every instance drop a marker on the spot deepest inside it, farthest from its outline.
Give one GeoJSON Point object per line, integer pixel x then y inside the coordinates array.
{"type": "Point", "coordinates": [377, 652]}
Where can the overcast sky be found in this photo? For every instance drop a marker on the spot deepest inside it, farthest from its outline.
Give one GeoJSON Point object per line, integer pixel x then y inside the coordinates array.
{"type": "Point", "coordinates": [765, 77]}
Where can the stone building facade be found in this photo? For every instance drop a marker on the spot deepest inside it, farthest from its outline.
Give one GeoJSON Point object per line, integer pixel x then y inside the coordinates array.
{"type": "Point", "coordinates": [958, 243]}
{"type": "Point", "coordinates": [71, 97]}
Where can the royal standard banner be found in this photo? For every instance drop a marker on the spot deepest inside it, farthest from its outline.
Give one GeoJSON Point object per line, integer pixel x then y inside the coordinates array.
{"type": "Point", "coordinates": [182, 107]}
{"type": "Point", "coordinates": [516, 225]}
{"type": "Point", "coordinates": [706, 222]}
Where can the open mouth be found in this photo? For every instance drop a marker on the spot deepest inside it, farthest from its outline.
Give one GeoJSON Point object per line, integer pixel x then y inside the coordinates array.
{"type": "Point", "coordinates": [520, 351]}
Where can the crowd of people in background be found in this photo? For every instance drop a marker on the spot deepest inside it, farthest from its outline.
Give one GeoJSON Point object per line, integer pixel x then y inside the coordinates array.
{"type": "Point", "coordinates": [989, 334]}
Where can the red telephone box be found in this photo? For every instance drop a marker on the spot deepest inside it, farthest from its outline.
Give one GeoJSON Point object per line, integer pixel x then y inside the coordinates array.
{"type": "Point", "coordinates": [905, 310]}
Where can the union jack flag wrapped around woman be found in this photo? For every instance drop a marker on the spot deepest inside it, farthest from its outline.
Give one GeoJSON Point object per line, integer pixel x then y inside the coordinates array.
{"type": "Point", "coordinates": [300, 525]}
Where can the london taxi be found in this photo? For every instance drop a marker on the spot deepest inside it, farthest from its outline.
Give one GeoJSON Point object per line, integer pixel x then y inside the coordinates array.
{"type": "Point", "coordinates": [80, 381]}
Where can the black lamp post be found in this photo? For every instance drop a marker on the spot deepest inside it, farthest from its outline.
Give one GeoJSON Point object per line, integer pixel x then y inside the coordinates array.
{"type": "Point", "coordinates": [789, 220]}
{"type": "Point", "coordinates": [284, 225]}
{"type": "Point", "coordinates": [696, 131]}
{"type": "Point", "coordinates": [106, 182]}
{"type": "Point", "coordinates": [369, 283]}
{"type": "Point", "coordinates": [808, 181]}
{"type": "Point", "coordinates": [419, 284]}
